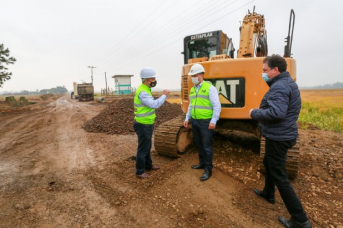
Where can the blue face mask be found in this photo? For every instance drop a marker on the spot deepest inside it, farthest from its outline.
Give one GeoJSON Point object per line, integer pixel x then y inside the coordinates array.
{"type": "Point", "coordinates": [265, 77]}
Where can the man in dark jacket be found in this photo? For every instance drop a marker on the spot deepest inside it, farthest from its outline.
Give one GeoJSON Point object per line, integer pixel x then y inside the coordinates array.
{"type": "Point", "coordinates": [277, 116]}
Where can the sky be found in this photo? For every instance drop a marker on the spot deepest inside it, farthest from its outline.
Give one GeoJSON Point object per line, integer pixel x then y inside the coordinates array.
{"type": "Point", "coordinates": [55, 42]}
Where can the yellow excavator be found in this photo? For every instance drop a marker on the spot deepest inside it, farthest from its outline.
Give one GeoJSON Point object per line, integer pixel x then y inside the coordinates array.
{"type": "Point", "coordinates": [237, 80]}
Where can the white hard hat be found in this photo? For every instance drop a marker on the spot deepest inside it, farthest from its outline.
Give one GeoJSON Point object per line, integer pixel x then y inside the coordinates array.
{"type": "Point", "coordinates": [196, 69]}
{"type": "Point", "coordinates": [148, 72]}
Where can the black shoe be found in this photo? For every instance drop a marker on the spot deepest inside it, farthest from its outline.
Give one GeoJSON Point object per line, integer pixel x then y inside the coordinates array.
{"type": "Point", "coordinates": [261, 194]}
{"type": "Point", "coordinates": [198, 166]}
{"type": "Point", "coordinates": [290, 223]}
{"type": "Point", "coordinates": [206, 175]}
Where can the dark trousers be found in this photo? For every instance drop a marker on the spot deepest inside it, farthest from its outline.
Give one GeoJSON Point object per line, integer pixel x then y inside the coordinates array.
{"type": "Point", "coordinates": [143, 157]}
{"type": "Point", "coordinates": [202, 138]}
{"type": "Point", "coordinates": [275, 164]}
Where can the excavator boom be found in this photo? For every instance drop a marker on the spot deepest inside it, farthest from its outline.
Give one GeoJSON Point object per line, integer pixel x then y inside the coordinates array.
{"type": "Point", "coordinates": [253, 40]}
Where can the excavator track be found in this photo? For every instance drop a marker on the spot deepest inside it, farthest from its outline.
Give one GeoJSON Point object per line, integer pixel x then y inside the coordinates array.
{"type": "Point", "coordinates": [292, 163]}
{"type": "Point", "coordinates": [172, 138]}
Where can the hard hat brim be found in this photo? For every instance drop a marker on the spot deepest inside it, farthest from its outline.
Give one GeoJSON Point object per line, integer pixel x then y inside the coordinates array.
{"type": "Point", "coordinates": [154, 76]}
{"type": "Point", "coordinates": [190, 74]}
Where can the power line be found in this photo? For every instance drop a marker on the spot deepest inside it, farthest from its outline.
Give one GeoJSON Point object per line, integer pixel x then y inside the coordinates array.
{"type": "Point", "coordinates": [179, 39]}
{"type": "Point", "coordinates": [185, 29]}
{"type": "Point", "coordinates": [125, 38]}
{"type": "Point", "coordinates": [146, 47]}
{"type": "Point", "coordinates": [163, 34]}
{"type": "Point", "coordinates": [137, 32]}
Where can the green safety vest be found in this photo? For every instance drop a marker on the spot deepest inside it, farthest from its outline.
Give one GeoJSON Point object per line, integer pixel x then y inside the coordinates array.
{"type": "Point", "coordinates": [201, 107]}
{"type": "Point", "coordinates": [143, 114]}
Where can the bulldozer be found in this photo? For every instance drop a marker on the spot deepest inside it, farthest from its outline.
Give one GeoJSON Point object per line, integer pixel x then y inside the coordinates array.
{"type": "Point", "coordinates": [237, 80]}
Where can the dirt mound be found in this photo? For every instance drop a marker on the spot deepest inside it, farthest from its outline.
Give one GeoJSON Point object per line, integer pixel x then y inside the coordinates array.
{"type": "Point", "coordinates": [23, 101]}
{"type": "Point", "coordinates": [11, 101]}
{"type": "Point", "coordinates": [118, 117]}
{"type": "Point", "coordinates": [46, 96]}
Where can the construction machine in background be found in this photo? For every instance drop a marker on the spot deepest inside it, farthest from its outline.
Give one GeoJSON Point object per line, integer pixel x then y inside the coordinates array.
{"type": "Point", "coordinates": [74, 93]}
{"type": "Point", "coordinates": [85, 92]}
{"type": "Point", "coordinates": [237, 80]}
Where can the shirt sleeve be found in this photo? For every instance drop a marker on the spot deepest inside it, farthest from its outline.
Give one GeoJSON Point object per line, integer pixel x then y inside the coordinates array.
{"type": "Point", "coordinates": [150, 102]}
{"type": "Point", "coordinates": [216, 106]}
{"type": "Point", "coordinates": [188, 115]}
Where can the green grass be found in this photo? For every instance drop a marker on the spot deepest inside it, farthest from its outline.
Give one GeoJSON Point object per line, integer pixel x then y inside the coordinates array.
{"type": "Point", "coordinates": [324, 115]}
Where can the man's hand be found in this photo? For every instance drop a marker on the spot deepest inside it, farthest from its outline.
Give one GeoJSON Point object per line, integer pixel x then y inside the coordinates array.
{"type": "Point", "coordinates": [211, 126]}
{"type": "Point", "coordinates": [250, 111]}
{"type": "Point", "coordinates": [185, 124]}
{"type": "Point", "coordinates": [166, 92]}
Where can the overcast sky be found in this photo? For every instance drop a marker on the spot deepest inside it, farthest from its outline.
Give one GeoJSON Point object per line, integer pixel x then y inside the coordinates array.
{"type": "Point", "coordinates": [54, 42]}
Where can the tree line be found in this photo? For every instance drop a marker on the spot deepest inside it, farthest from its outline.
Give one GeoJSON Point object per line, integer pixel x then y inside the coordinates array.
{"type": "Point", "coordinates": [57, 90]}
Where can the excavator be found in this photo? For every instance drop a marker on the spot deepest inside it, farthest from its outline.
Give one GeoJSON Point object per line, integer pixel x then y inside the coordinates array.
{"type": "Point", "coordinates": [237, 80]}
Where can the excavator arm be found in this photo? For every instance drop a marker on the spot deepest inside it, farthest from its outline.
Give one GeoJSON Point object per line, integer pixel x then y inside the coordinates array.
{"type": "Point", "coordinates": [253, 40]}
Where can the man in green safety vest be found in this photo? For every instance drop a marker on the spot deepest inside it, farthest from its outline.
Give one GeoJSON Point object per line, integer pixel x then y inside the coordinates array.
{"type": "Point", "coordinates": [204, 110]}
{"type": "Point", "coordinates": [144, 110]}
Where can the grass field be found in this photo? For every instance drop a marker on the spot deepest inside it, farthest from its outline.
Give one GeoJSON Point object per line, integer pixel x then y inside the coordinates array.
{"type": "Point", "coordinates": [322, 109]}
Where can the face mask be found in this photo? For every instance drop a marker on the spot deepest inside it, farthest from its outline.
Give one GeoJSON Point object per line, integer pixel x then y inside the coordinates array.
{"type": "Point", "coordinates": [265, 77]}
{"type": "Point", "coordinates": [195, 80]}
{"type": "Point", "coordinates": [153, 84]}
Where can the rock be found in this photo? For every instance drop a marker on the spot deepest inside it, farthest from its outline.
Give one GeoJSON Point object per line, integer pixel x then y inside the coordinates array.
{"type": "Point", "coordinates": [20, 206]}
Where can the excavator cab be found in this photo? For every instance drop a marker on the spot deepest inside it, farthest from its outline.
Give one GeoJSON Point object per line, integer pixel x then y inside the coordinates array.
{"type": "Point", "coordinates": [201, 47]}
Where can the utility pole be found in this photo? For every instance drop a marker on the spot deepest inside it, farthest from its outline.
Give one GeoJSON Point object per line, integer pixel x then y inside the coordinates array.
{"type": "Point", "coordinates": [92, 72]}
{"type": "Point", "coordinates": [106, 83]}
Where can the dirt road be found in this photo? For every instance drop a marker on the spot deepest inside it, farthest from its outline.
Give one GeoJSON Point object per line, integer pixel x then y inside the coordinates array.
{"type": "Point", "coordinates": [54, 174]}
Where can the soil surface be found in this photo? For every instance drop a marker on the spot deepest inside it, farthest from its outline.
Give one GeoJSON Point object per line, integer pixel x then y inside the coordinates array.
{"type": "Point", "coordinates": [118, 116]}
{"type": "Point", "coordinates": [55, 174]}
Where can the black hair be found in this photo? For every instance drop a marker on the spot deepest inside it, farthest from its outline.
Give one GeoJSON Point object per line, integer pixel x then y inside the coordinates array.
{"type": "Point", "coordinates": [276, 61]}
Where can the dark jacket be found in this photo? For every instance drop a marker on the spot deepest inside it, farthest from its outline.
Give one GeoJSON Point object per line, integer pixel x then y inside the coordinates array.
{"type": "Point", "coordinates": [279, 109]}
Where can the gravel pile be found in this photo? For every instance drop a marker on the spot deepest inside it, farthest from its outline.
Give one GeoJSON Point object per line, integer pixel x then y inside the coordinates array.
{"type": "Point", "coordinates": [118, 117]}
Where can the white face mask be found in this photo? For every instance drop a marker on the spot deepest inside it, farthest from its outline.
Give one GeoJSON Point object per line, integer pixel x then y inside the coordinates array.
{"type": "Point", "coordinates": [195, 80]}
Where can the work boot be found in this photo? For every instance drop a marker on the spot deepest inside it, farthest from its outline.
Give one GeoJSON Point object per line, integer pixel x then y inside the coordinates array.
{"type": "Point", "coordinates": [270, 199]}
{"type": "Point", "coordinates": [290, 223]}
{"type": "Point", "coordinates": [206, 175]}
{"type": "Point", "coordinates": [198, 166]}
{"type": "Point", "coordinates": [142, 176]}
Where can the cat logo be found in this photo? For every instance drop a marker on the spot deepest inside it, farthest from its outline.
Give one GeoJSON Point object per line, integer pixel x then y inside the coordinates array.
{"type": "Point", "coordinates": [231, 91]}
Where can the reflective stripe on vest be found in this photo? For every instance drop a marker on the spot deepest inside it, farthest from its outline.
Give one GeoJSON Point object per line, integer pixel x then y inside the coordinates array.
{"type": "Point", "coordinates": [201, 107]}
{"type": "Point", "coordinates": [143, 114]}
